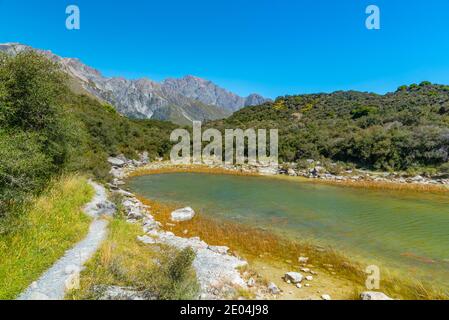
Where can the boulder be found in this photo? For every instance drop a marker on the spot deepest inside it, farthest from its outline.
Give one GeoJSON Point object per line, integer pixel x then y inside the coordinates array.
{"type": "Point", "coordinates": [374, 295]}
{"type": "Point", "coordinates": [144, 157]}
{"type": "Point", "coordinates": [293, 277]}
{"type": "Point", "coordinates": [326, 297]}
{"type": "Point", "coordinates": [116, 162]}
{"type": "Point", "coordinates": [124, 193]}
{"type": "Point", "coordinates": [273, 289]}
{"type": "Point", "coordinates": [184, 214]}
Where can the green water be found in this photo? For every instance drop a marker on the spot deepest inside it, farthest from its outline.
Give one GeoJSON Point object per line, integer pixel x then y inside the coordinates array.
{"type": "Point", "coordinates": [404, 231]}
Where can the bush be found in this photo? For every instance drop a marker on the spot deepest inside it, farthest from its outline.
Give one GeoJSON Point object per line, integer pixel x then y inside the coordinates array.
{"type": "Point", "coordinates": [181, 264]}
{"type": "Point", "coordinates": [445, 168]}
{"type": "Point", "coordinates": [24, 168]}
{"type": "Point", "coordinates": [363, 111]}
{"type": "Point", "coordinates": [46, 129]}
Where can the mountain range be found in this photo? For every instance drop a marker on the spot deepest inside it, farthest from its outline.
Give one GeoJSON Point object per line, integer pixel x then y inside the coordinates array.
{"type": "Point", "coordinates": [181, 100]}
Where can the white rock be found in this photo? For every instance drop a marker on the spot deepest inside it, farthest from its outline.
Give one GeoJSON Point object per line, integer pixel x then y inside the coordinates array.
{"type": "Point", "coordinates": [146, 240]}
{"type": "Point", "coordinates": [184, 214]}
{"type": "Point", "coordinates": [116, 162]}
{"type": "Point", "coordinates": [307, 270]}
{"type": "Point", "coordinates": [294, 277]}
{"type": "Point", "coordinates": [309, 278]}
{"type": "Point", "coordinates": [273, 289]}
{"type": "Point", "coordinates": [219, 249]}
{"type": "Point", "coordinates": [124, 193]}
{"type": "Point", "coordinates": [303, 259]}
{"type": "Point", "coordinates": [251, 282]}
{"type": "Point", "coordinates": [298, 285]}
{"type": "Point", "coordinates": [326, 297]}
{"type": "Point", "coordinates": [119, 293]}
{"type": "Point", "coordinates": [373, 295]}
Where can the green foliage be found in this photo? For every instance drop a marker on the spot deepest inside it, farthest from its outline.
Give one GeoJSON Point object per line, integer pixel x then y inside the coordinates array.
{"type": "Point", "coordinates": [445, 168]}
{"type": "Point", "coordinates": [24, 168]}
{"type": "Point", "coordinates": [181, 264]}
{"type": "Point", "coordinates": [395, 131]}
{"type": "Point", "coordinates": [48, 227]}
{"type": "Point", "coordinates": [363, 111]}
{"type": "Point", "coordinates": [165, 274]}
{"type": "Point", "coordinates": [46, 129]}
{"type": "Point", "coordinates": [33, 142]}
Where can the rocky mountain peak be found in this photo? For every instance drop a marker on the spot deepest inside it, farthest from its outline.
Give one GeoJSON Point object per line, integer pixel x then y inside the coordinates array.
{"type": "Point", "coordinates": [179, 100]}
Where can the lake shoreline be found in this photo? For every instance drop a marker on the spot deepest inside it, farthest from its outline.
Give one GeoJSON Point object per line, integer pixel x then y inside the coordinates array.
{"type": "Point", "coordinates": [379, 181]}
{"type": "Point", "coordinates": [344, 268]}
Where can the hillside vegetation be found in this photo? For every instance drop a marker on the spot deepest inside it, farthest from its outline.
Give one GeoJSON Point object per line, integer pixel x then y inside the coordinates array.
{"type": "Point", "coordinates": [405, 130]}
{"type": "Point", "coordinates": [42, 233]}
{"type": "Point", "coordinates": [46, 129]}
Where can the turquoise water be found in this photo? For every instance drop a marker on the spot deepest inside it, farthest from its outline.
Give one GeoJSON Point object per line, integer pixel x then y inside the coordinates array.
{"type": "Point", "coordinates": [405, 231]}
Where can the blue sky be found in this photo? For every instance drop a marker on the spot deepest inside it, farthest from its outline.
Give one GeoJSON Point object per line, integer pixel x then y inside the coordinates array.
{"type": "Point", "coordinates": [273, 47]}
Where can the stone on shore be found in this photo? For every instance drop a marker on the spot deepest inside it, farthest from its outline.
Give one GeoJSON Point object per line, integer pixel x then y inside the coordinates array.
{"type": "Point", "coordinates": [219, 249]}
{"type": "Point", "coordinates": [251, 282]}
{"type": "Point", "coordinates": [184, 214]}
{"type": "Point", "coordinates": [120, 293]}
{"type": "Point", "coordinates": [273, 289]}
{"type": "Point", "coordinates": [116, 162]}
{"type": "Point", "coordinates": [293, 277]}
{"type": "Point", "coordinates": [374, 295]}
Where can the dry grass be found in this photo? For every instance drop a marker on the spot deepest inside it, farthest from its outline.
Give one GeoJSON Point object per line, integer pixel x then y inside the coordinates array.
{"type": "Point", "coordinates": [252, 243]}
{"type": "Point", "coordinates": [123, 261]}
{"type": "Point", "coordinates": [380, 185]}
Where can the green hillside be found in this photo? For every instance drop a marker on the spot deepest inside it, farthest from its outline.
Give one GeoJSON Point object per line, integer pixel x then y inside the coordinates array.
{"type": "Point", "coordinates": [405, 130]}
{"type": "Point", "coordinates": [46, 129]}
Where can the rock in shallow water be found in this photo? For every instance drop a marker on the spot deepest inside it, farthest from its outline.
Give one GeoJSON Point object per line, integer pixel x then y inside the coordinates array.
{"type": "Point", "coordinates": [184, 214]}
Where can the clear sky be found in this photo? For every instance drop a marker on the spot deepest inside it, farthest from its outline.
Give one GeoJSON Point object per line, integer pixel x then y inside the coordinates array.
{"type": "Point", "coordinates": [273, 47]}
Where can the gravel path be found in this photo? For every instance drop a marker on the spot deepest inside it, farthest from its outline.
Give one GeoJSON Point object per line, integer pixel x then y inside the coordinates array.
{"type": "Point", "coordinates": [64, 274]}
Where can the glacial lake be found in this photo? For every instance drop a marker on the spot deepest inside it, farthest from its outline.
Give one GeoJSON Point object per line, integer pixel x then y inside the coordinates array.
{"type": "Point", "coordinates": [405, 231]}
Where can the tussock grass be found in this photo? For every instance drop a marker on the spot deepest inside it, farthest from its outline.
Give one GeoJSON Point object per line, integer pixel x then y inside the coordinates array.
{"type": "Point", "coordinates": [159, 272]}
{"type": "Point", "coordinates": [254, 243]}
{"type": "Point", "coordinates": [37, 237]}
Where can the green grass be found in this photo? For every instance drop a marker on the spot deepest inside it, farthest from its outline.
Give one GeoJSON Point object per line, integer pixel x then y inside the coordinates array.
{"type": "Point", "coordinates": [37, 237]}
{"type": "Point", "coordinates": [158, 272]}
